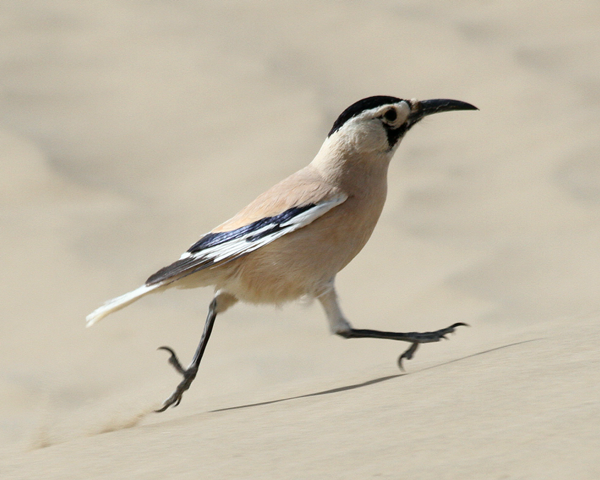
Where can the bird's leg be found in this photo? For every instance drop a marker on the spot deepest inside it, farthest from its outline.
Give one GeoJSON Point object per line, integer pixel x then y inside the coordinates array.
{"type": "Point", "coordinates": [415, 338]}
{"type": "Point", "coordinates": [190, 373]}
{"type": "Point", "coordinates": [340, 326]}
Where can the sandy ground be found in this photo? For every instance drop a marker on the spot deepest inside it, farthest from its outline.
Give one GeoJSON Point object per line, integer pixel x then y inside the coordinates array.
{"type": "Point", "coordinates": [128, 129]}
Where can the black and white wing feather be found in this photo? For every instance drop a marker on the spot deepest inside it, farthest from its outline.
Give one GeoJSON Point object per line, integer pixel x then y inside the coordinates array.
{"type": "Point", "coordinates": [220, 247]}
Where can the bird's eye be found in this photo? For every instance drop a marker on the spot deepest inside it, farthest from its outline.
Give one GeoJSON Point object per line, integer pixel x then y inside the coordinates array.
{"type": "Point", "coordinates": [391, 115]}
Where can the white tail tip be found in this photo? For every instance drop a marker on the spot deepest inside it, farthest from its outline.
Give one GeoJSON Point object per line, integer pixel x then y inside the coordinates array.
{"type": "Point", "coordinates": [118, 303]}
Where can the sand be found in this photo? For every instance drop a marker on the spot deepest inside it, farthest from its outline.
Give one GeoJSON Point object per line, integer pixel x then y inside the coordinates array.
{"type": "Point", "coordinates": [128, 129]}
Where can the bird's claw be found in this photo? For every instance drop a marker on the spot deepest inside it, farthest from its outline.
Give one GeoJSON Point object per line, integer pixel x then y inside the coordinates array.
{"type": "Point", "coordinates": [173, 360]}
{"type": "Point", "coordinates": [408, 354]}
{"type": "Point", "coordinates": [188, 374]}
{"type": "Point", "coordinates": [451, 328]}
{"type": "Point", "coordinates": [427, 337]}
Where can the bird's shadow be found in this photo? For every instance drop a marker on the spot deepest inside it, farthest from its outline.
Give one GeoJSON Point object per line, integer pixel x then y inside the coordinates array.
{"type": "Point", "coordinates": [368, 382]}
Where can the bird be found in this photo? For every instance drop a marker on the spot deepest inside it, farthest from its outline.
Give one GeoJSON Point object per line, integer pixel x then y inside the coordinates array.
{"type": "Point", "coordinates": [292, 240]}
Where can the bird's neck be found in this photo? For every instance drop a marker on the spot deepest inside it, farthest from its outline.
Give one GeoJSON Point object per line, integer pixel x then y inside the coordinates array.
{"type": "Point", "coordinates": [353, 172]}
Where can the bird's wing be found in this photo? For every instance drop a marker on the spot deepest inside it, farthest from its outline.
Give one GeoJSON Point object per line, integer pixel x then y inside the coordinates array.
{"type": "Point", "coordinates": [223, 246]}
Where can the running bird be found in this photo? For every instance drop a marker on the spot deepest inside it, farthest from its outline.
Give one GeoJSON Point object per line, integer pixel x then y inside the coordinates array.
{"type": "Point", "coordinates": [294, 238]}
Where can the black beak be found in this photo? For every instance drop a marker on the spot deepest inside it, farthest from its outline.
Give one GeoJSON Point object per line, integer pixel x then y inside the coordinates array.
{"type": "Point", "coordinates": [429, 107]}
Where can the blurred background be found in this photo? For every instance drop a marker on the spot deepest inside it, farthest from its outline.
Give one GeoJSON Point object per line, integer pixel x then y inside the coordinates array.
{"type": "Point", "coordinates": [129, 128]}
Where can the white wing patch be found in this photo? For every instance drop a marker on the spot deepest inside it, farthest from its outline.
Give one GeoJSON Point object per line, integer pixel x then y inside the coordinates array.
{"type": "Point", "coordinates": [225, 246]}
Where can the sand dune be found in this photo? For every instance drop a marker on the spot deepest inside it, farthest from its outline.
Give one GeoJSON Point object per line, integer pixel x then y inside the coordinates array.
{"type": "Point", "coordinates": [129, 129]}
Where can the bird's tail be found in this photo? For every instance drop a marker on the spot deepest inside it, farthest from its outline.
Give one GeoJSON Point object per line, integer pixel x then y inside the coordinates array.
{"type": "Point", "coordinates": [118, 303]}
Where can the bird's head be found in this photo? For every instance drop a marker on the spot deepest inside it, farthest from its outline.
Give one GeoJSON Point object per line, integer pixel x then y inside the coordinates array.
{"type": "Point", "coordinates": [377, 124]}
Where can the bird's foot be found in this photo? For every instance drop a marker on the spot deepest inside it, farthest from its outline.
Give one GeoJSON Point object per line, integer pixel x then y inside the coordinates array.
{"type": "Point", "coordinates": [188, 374]}
{"type": "Point", "coordinates": [426, 337]}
